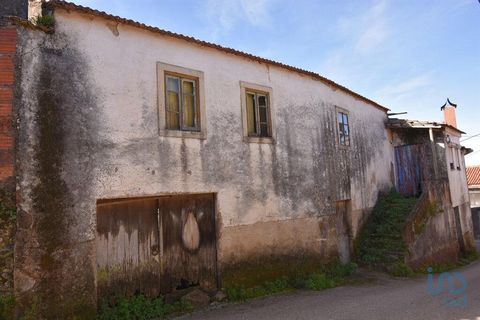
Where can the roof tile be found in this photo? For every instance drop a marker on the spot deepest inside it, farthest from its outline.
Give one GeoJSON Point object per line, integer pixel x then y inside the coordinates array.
{"type": "Point", "coordinates": [473, 176]}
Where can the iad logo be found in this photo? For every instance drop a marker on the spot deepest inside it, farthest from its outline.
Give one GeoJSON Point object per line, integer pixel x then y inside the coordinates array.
{"type": "Point", "coordinates": [454, 294]}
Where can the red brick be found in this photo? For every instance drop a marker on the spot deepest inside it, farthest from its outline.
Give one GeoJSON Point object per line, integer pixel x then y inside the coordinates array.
{"type": "Point", "coordinates": [7, 47]}
{"type": "Point", "coordinates": [8, 32]}
{"type": "Point", "coordinates": [5, 125]}
{"type": "Point", "coordinates": [6, 141]}
{"type": "Point", "coordinates": [6, 157]}
{"type": "Point", "coordinates": [6, 95]}
{"type": "Point", "coordinates": [6, 171]}
{"type": "Point", "coordinates": [6, 77]}
{"type": "Point", "coordinates": [5, 109]}
{"type": "Point", "coordinates": [6, 62]}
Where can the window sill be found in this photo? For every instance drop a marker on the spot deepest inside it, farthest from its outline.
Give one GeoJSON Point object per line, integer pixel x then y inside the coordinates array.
{"type": "Point", "coordinates": [183, 134]}
{"type": "Point", "coordinates": [267, 140]}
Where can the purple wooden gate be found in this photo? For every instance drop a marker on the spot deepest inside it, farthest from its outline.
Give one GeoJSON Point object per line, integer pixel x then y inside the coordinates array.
{"type": "Point", "coordinates": [408, 165]}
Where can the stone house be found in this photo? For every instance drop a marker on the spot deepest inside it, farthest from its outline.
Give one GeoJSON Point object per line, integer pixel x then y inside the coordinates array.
{"type": "Point", "coordinates": [430, 163]}
{"type": "Point", "coordinates": [146, 161]}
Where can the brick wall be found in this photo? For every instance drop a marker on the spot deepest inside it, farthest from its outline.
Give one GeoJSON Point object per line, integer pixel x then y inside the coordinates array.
{"type": "Point", "coordinates": [8, 38]}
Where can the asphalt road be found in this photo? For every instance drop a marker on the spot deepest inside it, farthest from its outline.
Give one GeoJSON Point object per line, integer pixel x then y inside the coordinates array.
{"type": "Point", "coordinates": [384, 298]}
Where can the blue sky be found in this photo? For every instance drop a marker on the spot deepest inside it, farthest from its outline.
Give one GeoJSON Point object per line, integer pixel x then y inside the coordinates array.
{"type": "Point", "coordinates": [408, 55]}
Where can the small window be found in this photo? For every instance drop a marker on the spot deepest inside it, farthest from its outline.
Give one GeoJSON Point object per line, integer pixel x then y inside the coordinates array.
{"type": "Point", "coordinates": [181, 105]}
{"type": "Point", "coordinates": [181, 102]}
{"type": "Point", "coordinates": [452, 164]}
{"type": "Point", "coordinates": [343, 129]}
{"type": "Point", "coordinates": [257, 113]}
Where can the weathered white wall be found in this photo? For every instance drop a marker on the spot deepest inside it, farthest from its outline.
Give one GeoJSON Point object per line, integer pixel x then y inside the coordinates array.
{"type": "Point", "coordinates": [300, 176]}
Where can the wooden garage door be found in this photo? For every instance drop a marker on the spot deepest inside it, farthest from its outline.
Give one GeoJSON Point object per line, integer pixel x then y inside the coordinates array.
{"type": "Point", "coordinates": [156, 245]}
{"type": "Point", "coordinates": [189, 250]}
{"type": "Point", "coordinates": [127, 247]}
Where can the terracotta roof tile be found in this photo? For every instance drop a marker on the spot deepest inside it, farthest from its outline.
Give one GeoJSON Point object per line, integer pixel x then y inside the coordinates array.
{"type": "Point", "coordinates": [74, 7]}
{"type": "Point", "coordinates": [473, 176]}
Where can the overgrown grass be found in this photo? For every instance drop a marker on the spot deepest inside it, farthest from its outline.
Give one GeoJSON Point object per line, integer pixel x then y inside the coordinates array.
{"type": "Point", "coordinates": [380, 242]}
{"type": "Point", "coordinates": [139, 307]}
{"type": "Point", "coordinates": [325, 277]}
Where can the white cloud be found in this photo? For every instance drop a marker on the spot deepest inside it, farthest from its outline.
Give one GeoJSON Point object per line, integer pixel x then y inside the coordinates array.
{"type": "Point", "coordinates": [224, 15]}
{"type": "Point", "coordinates": [373, 28]}
{"type": "Point", "coordinates": [362, 36]}
{"type": "Point", "coordinates": [408, 86]}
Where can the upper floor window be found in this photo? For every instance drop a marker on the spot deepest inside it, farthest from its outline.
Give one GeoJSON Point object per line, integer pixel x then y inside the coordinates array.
{"type": "Point", "coordinates": [181, 102]}
{"type": "Point", "coordinates": [181, 105]}
{"type": "Point", "coordinates": [343, 129]}
{"type": "Point", "coordinates": [257, 113]}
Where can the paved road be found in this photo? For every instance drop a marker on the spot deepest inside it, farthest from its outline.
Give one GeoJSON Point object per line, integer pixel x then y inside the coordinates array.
{"type": "Point", "coordinates": [383, 299]}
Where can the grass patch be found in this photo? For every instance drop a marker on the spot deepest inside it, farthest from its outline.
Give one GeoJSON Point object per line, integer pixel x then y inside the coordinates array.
{"type": "Point", "coordinates": [323, 277]}
{"type": "Point", "coordinates": [380, 243]}
{"type": "Point", "coordinates": [400, 269]}
{"type": "Point", "coordinates": [140, 307]}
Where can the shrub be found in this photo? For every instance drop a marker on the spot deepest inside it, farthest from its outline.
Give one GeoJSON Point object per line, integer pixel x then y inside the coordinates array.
{"type": "Point", "coordinates": [139, 307]}
{"type": "Point", "coordinates": [46, 21]}
{"type": "Point", "coordinates": [400, 269]}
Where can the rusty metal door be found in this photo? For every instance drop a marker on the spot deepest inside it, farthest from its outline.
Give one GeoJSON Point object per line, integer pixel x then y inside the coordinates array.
{"type": "Point", "coordinates": [128, 247]}
{"type": "Point", "coordinates": [189, 241]}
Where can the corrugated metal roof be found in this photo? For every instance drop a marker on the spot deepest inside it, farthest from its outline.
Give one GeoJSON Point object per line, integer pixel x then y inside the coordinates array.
{"type": "Point", "coordinates": [473, 176]}
{"type": "Point", "coordinates": [74, 7]}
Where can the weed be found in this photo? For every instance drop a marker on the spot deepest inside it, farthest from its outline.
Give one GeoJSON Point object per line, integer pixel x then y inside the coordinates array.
{"type": "Point", "coordinates": [400, 269]}
{"type": "Point", "coordinates": [325, 276]}
{"type": "Point", "coordinates": [139, 307]}
{"type": "Point", "coordinates": [319, 281]}
{"type": "Point", "coordinates": [45, 20]}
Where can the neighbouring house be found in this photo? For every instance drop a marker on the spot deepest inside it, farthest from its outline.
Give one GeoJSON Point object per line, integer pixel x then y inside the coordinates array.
{"type": "Point", "coordinates": [148, 161]}
{"type": "Point", "coordinates": [430, 163]}
{"type": "Point", "coordinates": [473, 181]}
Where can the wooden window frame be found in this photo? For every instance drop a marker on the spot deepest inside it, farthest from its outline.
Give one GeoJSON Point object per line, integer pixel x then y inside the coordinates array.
{"type": "Point", "coordinates": [346, 113]}
{"type": "Point", "coordinates": [256, 89]}
{"type": "Point", "coordinates": [165, 70]}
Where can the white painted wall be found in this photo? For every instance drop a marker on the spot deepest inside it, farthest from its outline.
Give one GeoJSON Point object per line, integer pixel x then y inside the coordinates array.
{"type": "Point", "coordinates": [137, 161]}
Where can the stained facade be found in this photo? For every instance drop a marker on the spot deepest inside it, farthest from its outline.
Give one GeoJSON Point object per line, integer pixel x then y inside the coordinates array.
{"type": "Point", "coordinates": [148, 161]}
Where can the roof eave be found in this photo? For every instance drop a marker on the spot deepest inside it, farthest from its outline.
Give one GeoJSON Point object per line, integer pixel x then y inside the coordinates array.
{"type": "Point", "coordinates": [86, 10]}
